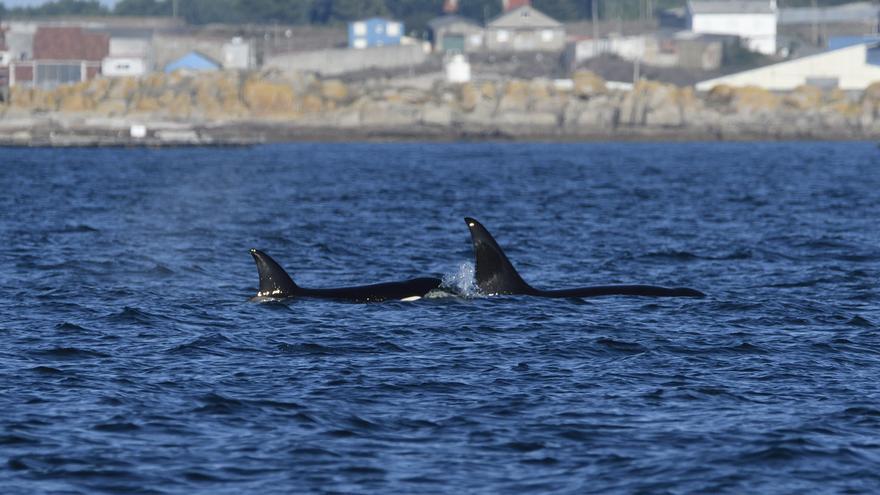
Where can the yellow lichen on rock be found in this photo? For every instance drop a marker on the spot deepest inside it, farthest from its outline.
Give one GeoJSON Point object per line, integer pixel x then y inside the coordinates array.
{"type": "Point", "coordinates": [754, 98]}
{"type": "Point", "coordinates": [487, 89]}
{"type": "Point", "coordinates": [468, 97]}
{"type": "Point", "coordinates": [587, 84]}
{"type": "Point", "coordinates": [804, 98]}
{"type": "Point", "coordinates": [312, 103]}
{"type": "Point", "coordinates": [334, 90]}
{"type": "Point", "coordinates": [146, 104]}
{"type": "Point", "coordinates": [721, 94]}
{"type": "Point", "coordinates": [75, 101]}
{"type": "Point", "coordinates": [266, 98]}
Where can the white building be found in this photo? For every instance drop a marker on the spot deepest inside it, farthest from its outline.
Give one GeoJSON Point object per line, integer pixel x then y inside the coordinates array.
{"type": "Point", "coordinates": [128, 57]}
{"type": "Point", "coordinates": [752, 20]}
{"type": "Point", "coordinates": [850, 68]}
{"type": "Point", "coordinates": [238, 54]}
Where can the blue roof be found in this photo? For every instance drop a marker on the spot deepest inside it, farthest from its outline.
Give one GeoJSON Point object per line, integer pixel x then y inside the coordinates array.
{"type": "Point", "coordinates": [193, 61]}
{"type": "Point", "coordinates": [836, 42]}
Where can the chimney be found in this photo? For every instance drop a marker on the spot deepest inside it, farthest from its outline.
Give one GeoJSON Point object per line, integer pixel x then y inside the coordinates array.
{"type": "Point", "coordinates": [450, 6]}
{"type": "Point", "coordinates": [514, 4]}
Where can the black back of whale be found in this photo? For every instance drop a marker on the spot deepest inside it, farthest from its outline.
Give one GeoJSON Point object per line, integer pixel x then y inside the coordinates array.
{"type": "Point", "coordinates": [496, 275]}
{"type": "Point", "coordinates": [275, 282]}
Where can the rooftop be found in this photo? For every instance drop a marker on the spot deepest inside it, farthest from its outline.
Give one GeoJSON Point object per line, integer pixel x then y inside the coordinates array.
{"type": "Point", "coordinates": [731, 7]}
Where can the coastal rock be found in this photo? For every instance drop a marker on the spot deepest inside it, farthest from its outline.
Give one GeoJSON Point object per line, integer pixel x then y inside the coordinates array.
{"type": "Point", "coordinates": [515, 97]}
{"type": "Point", "coordinates": [389, 114]}
{"type": "Point", "coordinates": [334, 90]}
{"type": "Point", "coordinates": [804, 98]}
{"type": "Point", "coordinates": [436, 115]}
{"type": "Point", "coordinates": [467, 97]}
{"type": "Point", "coordinates": [267, 98]}
{"type": "Point", "coordinates": [587, 84]}
{"type": "Point", "coordinates": [752, 99]}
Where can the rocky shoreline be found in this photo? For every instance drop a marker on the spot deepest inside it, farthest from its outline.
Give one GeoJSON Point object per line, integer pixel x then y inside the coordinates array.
{"type": "Point", "coordinates": [235, 109]}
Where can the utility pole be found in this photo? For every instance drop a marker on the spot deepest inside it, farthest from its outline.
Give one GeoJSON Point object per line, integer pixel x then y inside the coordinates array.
{"type": "Point", "coordinates": [174, 8]}
{"type": "Point", "coordinates": [594, 19]}
{"type": "Point", "coordinates": [815, 31]}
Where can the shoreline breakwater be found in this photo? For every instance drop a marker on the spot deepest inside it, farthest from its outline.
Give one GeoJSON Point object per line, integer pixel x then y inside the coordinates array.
{"type": "Point", "coordinates": [230, 108]}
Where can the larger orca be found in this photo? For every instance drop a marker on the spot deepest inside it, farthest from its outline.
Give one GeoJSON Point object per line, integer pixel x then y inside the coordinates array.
{"type": "Point", "coordinates": [496, 275]}
{"type": "Point", "coordinates": [276, 283]}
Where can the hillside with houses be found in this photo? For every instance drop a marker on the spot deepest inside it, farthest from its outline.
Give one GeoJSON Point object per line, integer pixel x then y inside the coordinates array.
{"type": "Point", "coordinates": [708, 68]}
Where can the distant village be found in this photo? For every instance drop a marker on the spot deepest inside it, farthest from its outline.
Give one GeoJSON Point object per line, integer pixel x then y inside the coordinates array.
{"type": "Point", "coordinates": [710, 42]}
{"type": "Point", "coordinates": [713, 69]}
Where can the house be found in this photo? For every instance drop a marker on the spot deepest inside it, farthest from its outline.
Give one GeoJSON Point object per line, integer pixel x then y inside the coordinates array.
{"type": "Point", "coordinates": [754, 21]}
{"type": "Point", "coordinates": [193, 61]}
{"type": "Point", "coordinates": [453, 33]}
{"type": "Point", "coordinates": [849, 68]}
{"type": "Point", "coordinates": [524, 29]}
{"type": "Point", "coordinates": [61, 55]}
{"type": "Point", "coordinates": [374, 32]}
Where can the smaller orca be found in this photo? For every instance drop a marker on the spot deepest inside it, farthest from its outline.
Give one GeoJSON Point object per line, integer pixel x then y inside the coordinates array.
{"type": "Point", "coordinates": [276, 283]}
{"type": "Point", "coordinates": [496, 275]}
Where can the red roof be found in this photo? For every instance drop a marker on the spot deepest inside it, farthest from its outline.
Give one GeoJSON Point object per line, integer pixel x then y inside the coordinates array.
{"type": "Point", "coordinates": [514, 4]}
{"type": "Point", "coordinates": [70, 43]}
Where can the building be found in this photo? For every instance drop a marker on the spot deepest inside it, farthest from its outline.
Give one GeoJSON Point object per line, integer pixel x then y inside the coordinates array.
{"type": "Point", "coordinates": [374, 32]}
{"type": "Point", "coordinates": [818, 25]}
{"type": "Point", "coordinates": [453, 33]}
{"type": "Point", "coordinates": [193, 61]}
{"type": "Point", "coordinates": [5, 54]}
{"type": "Point", "coordinates": [849, 68]}
{"type": "Point", "coordinates": [61, 55]}
{"type": "Point", "coordinates": [524, 29]}
{"type": "Point", "coordinates": [338, 61]}
{"type": "Point", "coordinates": [130, 56]}
{"type": "Point", "coordinates": [754, 21]}
{"type": "Point", "coordinates": [682, 49]}
{"type": "Point", "coordinates": [239, 54]}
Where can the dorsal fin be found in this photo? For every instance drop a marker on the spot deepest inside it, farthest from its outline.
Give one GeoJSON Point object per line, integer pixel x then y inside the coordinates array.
{"type": "Point", "coordinates": [274, 281]}
{"type": "Point", "coordinates": [494, 273]}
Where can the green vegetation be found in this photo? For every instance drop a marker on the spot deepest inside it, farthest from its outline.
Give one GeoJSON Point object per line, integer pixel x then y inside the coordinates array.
{"type": "Point", "coordinates": [414, 13]}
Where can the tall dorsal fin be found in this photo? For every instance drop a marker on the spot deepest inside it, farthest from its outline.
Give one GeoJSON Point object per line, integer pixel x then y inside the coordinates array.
{"type": "Point", "coordinates": [494, 273]}
{"type": "Point", "coordinates": [274, 281]}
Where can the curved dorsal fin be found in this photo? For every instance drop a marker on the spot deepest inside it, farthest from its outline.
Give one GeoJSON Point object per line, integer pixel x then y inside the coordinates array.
{"type": "Point", "coordinates": [494, 273]}
{"type": "Point", "coordinates": [274, 281]}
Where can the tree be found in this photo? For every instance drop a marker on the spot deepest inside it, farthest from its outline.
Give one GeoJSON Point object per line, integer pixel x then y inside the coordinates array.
{"type": "Point", "coordinates": [143, 7]}
{"type": "Point", "coordinates": [64, 7]}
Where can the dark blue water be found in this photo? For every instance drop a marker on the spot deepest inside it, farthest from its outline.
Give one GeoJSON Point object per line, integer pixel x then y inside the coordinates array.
{"type": "Point", "coordinates": [131, 360]}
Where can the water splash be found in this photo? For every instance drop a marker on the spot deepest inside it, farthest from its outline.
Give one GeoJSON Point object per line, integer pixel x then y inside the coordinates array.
{"type": "Point", "coordinates": [462, 281]}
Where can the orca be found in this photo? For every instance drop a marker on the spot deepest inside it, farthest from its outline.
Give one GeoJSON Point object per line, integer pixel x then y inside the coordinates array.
{"type": "Point", "coordinates": [495, 275]}
{"type": "Point", "coordinates": [276, 283]}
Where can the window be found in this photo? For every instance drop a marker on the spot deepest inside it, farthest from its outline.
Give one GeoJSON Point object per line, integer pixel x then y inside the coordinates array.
{"type": "Point", "coordinates": [360, 43]}
{"type": "Point", "coordinates": [359, 28]}
{"type": "Point", "coordinates": [547, 35]}
{"type": "Point", "coordinates": [394, 29]}
{"type": "Point", "coordinates": [52, 74]}
{"type": "Point", "coordinates": [502, 36]}
{"type": "Point", "coordinates": [380, 29]}
{"type": "Point", "coordinates": [475, 40]}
